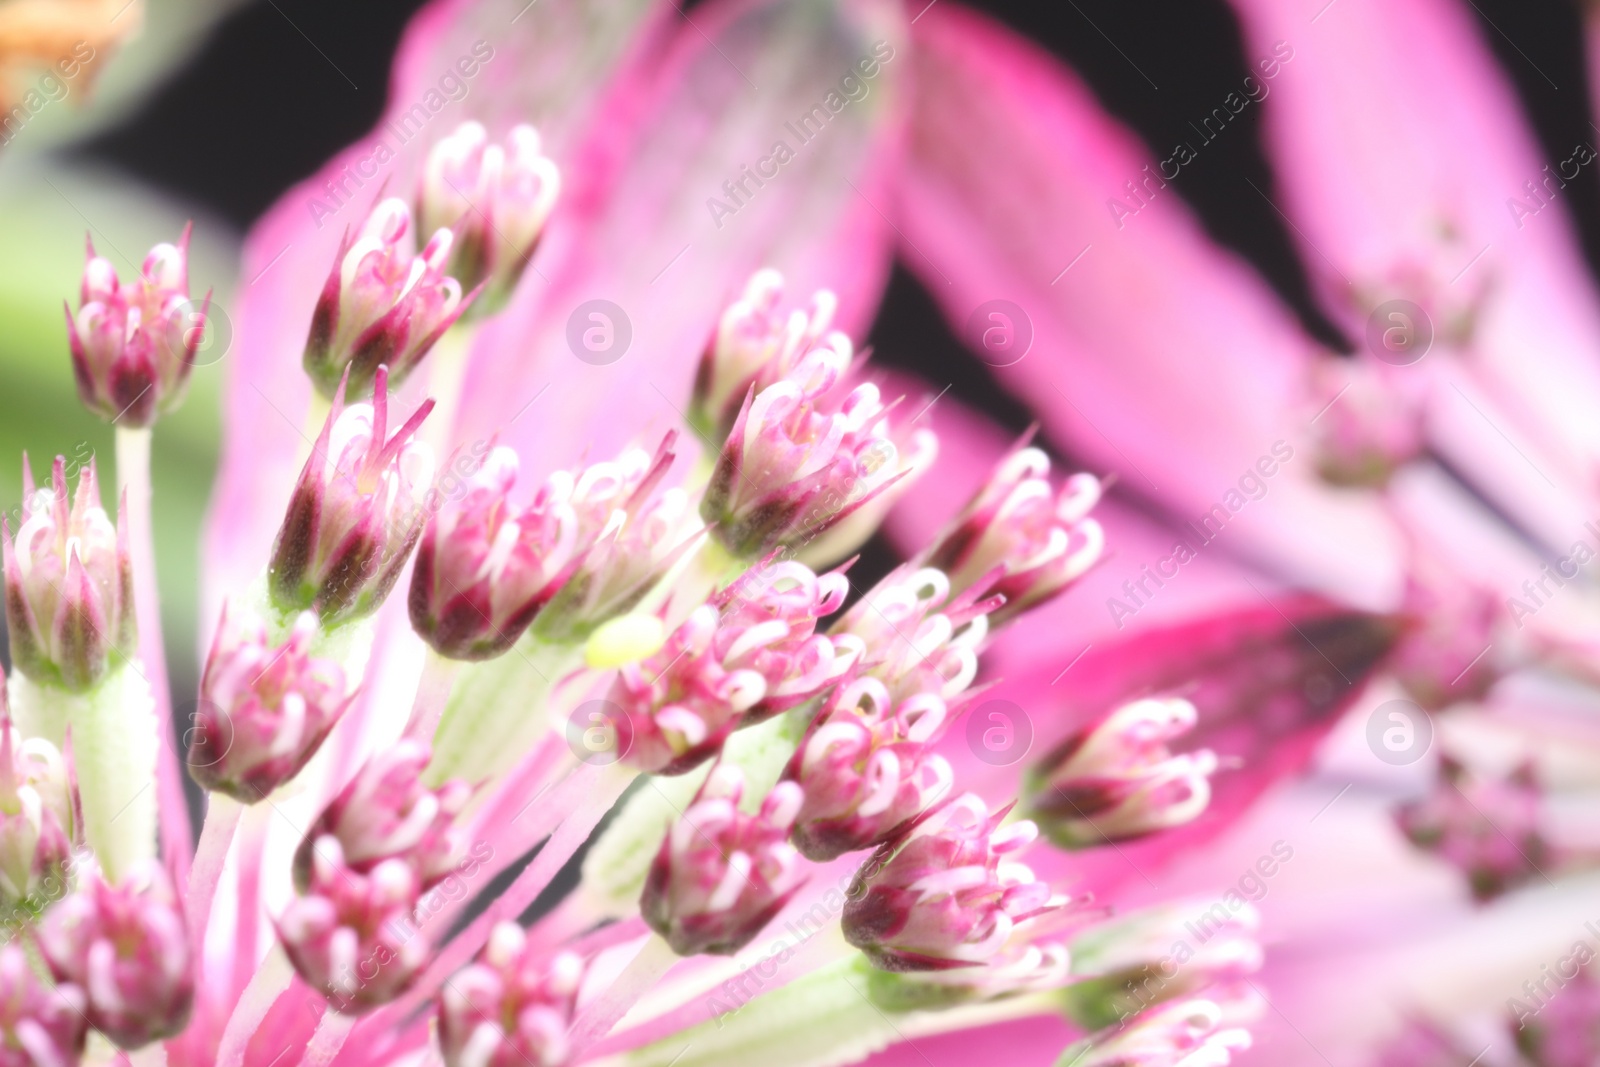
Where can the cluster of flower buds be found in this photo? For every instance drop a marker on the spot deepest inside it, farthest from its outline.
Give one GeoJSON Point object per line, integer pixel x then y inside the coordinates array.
{"type": "Point", "coordinates": [513, 1007]}
{"type": "Point", "coordinates": [356, 513]}
{"type": "Point", "coordinates": [722, 874]}
{"type": "Point", "coordinates": [1565, 1031]}
{"type": "Point", "coordinates": [630, 534]}
{"type": "Point", "coordinates": [916, 638]}
{"type": "Point", "coordinates": [361, 869]}
{"type": "Point", "coordinates": [1496, 854]}
{"type": "Point", "coordinates": [495, 198]}
{"type": "Point", "coordinates": [800, 458]}
{"type": "Point", "coordinates": [36, 823]}
{"type": "Point", "coordinates": [264, 708]}
{"type": "Point", "coordinates": [127, 949]}
{"type": "Point", "coordinates": [1368, 419]}
{"type": "Point", "coordinates": [1019, 538]}
{"type": "Point", "coordinates": [1191, 1033]}
{"type": "Point", "coordinates": [133, 346]}
{"type": "Point", "coordinates": [768, 624]}
{"type": "Point", "coordinates": [755, 346]}
{"type": "Point", "coordinates": [1445, 655]}
{"type": "Point", "coordinates": [866, 768]}
{"type": "Point", "coordinates": [1117, 779]}
{"type": "Point", "coordinates": [484, 568]}
{"type": "Point", "coordinates": [69, 584]}
{"type": "Point", "coordinates": [384, 304]}
{"type": "Point", "coordinates": [39, 1024]}
{"type": "Point", "coordinates": [947, 893]}
{"type": "Point", "coordinates": [1127, 964]}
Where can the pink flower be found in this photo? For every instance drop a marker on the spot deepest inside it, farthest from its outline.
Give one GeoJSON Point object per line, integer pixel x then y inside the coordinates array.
{"type": "Point", "coordinates": [36, 818]}
{"type": "Point", "coordinates": [39, 1023]}
{"type": "Point", "coordinates": [513, 1006]}
{"type": "Point", "coordinates": [133, 346]}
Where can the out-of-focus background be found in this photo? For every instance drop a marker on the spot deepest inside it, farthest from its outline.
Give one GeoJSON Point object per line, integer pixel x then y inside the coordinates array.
{"type": "Point", "coordinates": [208, 109]}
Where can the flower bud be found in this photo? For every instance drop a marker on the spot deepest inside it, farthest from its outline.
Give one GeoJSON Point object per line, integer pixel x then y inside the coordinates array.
{"type": "Point", "coordinates": [1019, 538]}
{"type": "Point", "coordinates": [264, 709]}
{"type": "Point", "coordinates": [866, 770]}
{"type": "Point", "coordinates": [1368, 419]}
{"type": "Point", "coordinates": [1565, 1031]}
{"type": "Point", "coordinates": [1117, 780]}
{"type": "Point", "coordinates": [383, 303]}
{"type": "Point", "coordinates": [1020, 968]}
{"type": "Point", "coordinates": [768, 624]}
{"type": "Point", "coordinates": [629, 537]}
{"type": "Point", "coordinates": [39, 1024]}
{"type": "Point", "coordinates": [133, 346]}
{"type": "Point", "coordinates": [36, 823]}
{"type": "Point", "coordinates": [755, 345]}
{"type": "Point", "coordinates": [722, 874]}
{"type": "Point", "coordinates": [384, 813]}
{"type": "Point", "coordinates": [511, 1008]}
{"type": "Point", "coordinates": [799, 459]}
{"type": "Point", "coordinates": [361, 870]}
{"type": "Point", "coordinates": [1496, 853]}
{"type": "Point", "coordinates": [483, 569]}
{"type": "Point", "coordinates": [1186, 1034]}
{"type": "Point", "coordinates": [495, 198]}
{"type": "Point", "coordinates": [1445, 654]}
{"type": "Point", "coordinates": [356, 512]}
{"type": "Point", "coordinates": [69, 585]}
{"type": "Point", "coordinates": [127, 948]}
{"type": "Point", "coordinates": [913, 636]}
{"type": "Point", "coordinates": [683, 701]}
{"type": "Point", "coordinates": [947, 894]}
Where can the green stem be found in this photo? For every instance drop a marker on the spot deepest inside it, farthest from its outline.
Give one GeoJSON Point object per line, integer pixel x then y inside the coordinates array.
{"type": "Point", "coordinates": [495, 713]}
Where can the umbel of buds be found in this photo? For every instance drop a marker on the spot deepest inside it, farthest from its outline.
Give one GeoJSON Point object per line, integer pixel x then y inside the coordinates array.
{"type": "Point", "coordinates": [1496, 852]}
{"type": "Point", "coordinates": [36, 825]}
{"type": "Point", "coordinates": [39, 1024]}
{"type": "Point", "coordinates": [755, 345]}
{"type": "Point", "coordinates": [495, 198]}
{"type": "Point", "coordinates": [513, 1007]}
{"type": "Point", "coordinates": [361, 870]}
{"type": "Point", "coordinates": [722, 874]}
{"type": "Point", "coordinates": [799, 460]}
{"type": "Point", "coordinates": [948, 893]}
{"type": "Point", "coordinates": [1117, 779]}
{"type": "Point", "coordinates": [126, 947]}
{"type": "Point", "coordinates": [484, 569]}
{"type": "Point", "coordinates": [866, 769]}
{"type": "Point", "coordinates": [69, 584]}
{"type": "Point", "coordinates": [356, 512]}
{"type": "Point", "coordinates": [384, 304]}
{"type": "Point", "coordinates": [264, 709]}
{"type": "Point", "coordinates": [133, 345]}
{"type": "Point", "coordinates": [1020, 539]}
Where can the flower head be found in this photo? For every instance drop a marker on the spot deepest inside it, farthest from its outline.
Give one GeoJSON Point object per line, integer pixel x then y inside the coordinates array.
{"type": "Point", "coordinates": [264, 708]}
{"type": "Point", "coordinates": [630, 533]}
{"type": "Point", "coordinates": [513, 1006]}
{"type": "Point", "coordinates": [1495, 852]}
{"type": "Point", "coordinates": [39, 1023]}
{"type": "Point", "coordinates": [947, 894]}
{"type": "Point", "coordinates": [133, 346]}
{"type": "Point", "coordinates": [494, 198]}
{"type": "Point", "coordinates": [867, 770]}
{"type": "Point", "coordinates": [722, 874]}
{"type": "Point", "coordinates": [1191, 1033]}
{"type": "Point", "coordinates": [1117, 779]}
{"type": "Point", "coordinates": [384, 304]}
{"type": "Point", "coordinates": [909, 632]}
{"type": "Point", "coordinates": [1368, 420]}
{"type": "Point", "coordinates": [1019, 538]}
{"type": "Point", "coordinates": [800, 458]}
{"type": "Point", "coordinates": [755, 346]}
{"type": "Point", "coordinates": [1566, 1031]}
{"type": "Point", "coordinates": [356, 512]}
{"type": "Point", "coordinates": [36, 817]}
{"type": "Point", "coordinates": [69, 584]}
{"type": "Point", "coordinates": [484, 568]}
{"type": "Point", "coordinates": [126, 947]}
